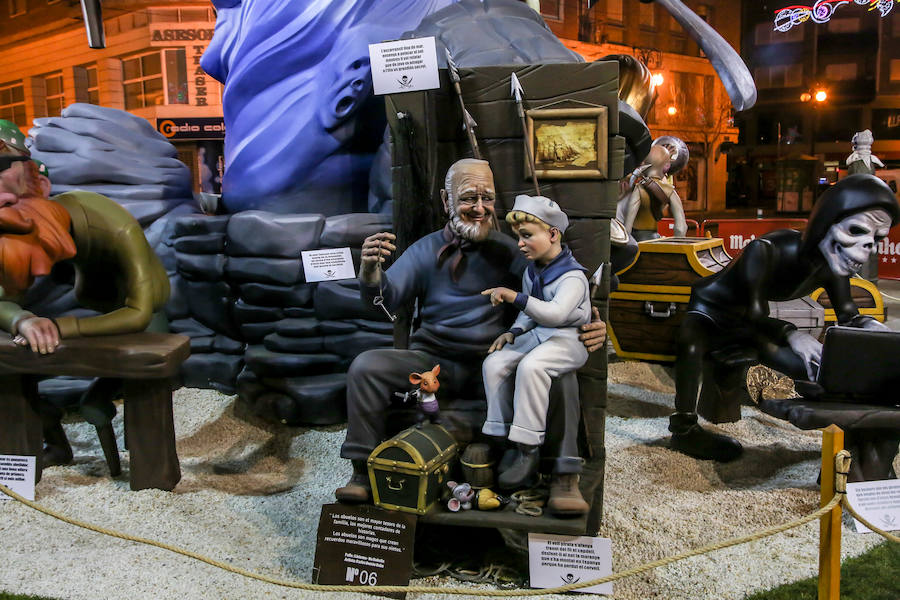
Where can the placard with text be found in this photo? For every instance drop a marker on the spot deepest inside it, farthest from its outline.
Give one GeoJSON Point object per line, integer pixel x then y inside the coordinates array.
{"type": "Point", "coordinates": [878, 502]}
{"type": "Point", "coordinates": [328, 264]}
{"type": "Point", "coordinates": [404, 66]}
{"type": "Point", "coordinates": [555, 560]}
{"type": "Point", "coordinates": [17, 473]}
{"type": "Point", "coordinates": [364, 545]}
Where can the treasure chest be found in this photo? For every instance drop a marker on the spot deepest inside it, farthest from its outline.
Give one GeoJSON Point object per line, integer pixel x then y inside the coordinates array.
{"type": "Point", "coordinates": [409, 471]}
{"type": "Point", "coordinates": [647, 309]}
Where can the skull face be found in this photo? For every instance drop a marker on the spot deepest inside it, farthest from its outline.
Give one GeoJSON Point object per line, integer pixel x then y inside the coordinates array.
{"type": "Point", "coordinates": [850, 241]}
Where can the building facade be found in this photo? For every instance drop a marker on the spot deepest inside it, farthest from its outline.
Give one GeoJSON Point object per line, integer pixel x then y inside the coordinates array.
{"type": "Point", "coordinates": [150, 67]}
{"type": "Point", "coordinates": [692, 103]}
{"type": "Point", "coordinates": [792, 145]}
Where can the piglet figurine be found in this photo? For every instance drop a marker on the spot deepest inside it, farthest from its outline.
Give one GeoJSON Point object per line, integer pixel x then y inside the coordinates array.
{"type": "Point", "coordinates": [426, 403]}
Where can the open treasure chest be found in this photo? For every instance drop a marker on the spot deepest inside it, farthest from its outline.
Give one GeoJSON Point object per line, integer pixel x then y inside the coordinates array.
{"type": "Point", "coordinates": [647, 309]}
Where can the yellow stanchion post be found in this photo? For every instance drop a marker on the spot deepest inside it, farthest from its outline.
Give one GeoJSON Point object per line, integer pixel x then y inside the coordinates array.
{"type": "Point", "coordinates": [830, 524]}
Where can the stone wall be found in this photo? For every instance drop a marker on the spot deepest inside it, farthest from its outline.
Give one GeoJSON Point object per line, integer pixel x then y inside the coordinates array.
{"type": "Point", "coordinates": [256, 327]}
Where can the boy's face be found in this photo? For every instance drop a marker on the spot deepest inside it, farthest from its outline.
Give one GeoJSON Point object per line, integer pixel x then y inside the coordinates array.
{"type": "Point", "coordinates": [536, 242]}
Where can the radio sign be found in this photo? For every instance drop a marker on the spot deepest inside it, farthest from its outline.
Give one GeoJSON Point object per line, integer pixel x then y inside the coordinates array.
{"type": "Point", "coordinates": [200, 128]}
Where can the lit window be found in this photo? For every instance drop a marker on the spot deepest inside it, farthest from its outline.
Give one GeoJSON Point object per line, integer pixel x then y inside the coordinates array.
{"type": "Point", "coordinates": [552, 9]}
{"type": "Point", "coordinates": [648, 15]}
{"type": "Point", "coordinates": [841, 72]}
{"type": "Point", "coordinates": [55, 98]}
{"type": "Point", "coordinates": [12, 104]}
{"type": "Point", "coordinates": [614, 11]}
{"type": "Point", "coordinates": [845, 25]}
{"type": "Point", "coordinates": [17, 7]}
{"type": "Point", "coordinates": [895, 69]}
{"type": "Point", "coordinates": [778, 76]}
{"type": "Point", "coordinates": [765, 33]}
{"type": "Point", "coordinates": [143, 78]}
{"type": "Point", "coordinates": [87, 87]}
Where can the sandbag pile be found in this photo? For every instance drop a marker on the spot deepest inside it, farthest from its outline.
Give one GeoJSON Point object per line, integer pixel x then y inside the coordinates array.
{"type": "Point", "coordinates": [256, 326]}
{"type": "Point", "coordinates": [113, 153]}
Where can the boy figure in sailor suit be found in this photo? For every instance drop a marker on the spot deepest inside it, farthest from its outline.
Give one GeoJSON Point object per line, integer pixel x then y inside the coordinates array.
{"type": "Point", "coordinates": [542, 343]}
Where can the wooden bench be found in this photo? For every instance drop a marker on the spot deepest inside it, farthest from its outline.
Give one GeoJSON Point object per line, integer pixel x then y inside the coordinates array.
{"type": "Point", "coordinates": [145, 361]}
{"type": "Point", "coordinates": [871, 433]}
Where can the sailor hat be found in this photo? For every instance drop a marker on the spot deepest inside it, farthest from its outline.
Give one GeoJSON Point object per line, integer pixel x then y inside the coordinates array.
{"type": "Point", "coordinates": [544, 209]}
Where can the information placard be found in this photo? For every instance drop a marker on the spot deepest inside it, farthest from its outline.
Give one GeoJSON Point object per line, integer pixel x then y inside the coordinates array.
{"type": "Point", "coordinates": [555, 560]}
{"type": "Point", "coordinates": [404, 66]}
{"type": "Point", "coordinates": [329, 264]}
{"type": "Point", "coordinates": [364, 545]}
{"type": "Point", "coordinates": [878, 502]}
{"type": "Point", "coordinates": [17, 473]}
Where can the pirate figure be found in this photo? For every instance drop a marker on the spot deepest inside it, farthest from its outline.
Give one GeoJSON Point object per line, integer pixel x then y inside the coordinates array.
{"type": "Point", "coordinates": [862, 160]}
{"type": "Point", "coordinates": [650, 189]}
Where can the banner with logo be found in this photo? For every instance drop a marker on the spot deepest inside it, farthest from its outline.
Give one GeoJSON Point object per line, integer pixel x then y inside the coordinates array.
{"type": "Point", "coordinates": [737, 233]}
{"type": "Point", "coordinates": [889, 255]}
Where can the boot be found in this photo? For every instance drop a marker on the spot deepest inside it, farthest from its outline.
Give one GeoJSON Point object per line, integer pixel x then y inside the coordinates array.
{"type": "Point", "coordinates": [691, 439]}
{"type": "Point", "coordinates": [521, 472]}
{"type": "Point", "coordinates": [500, 452]}
{"type": "Point", "coordinates": [565, 497]}
{"type": "Point", "coordinates": [57, 450]}
{"type": "Point", "coordinates": [358, 490]}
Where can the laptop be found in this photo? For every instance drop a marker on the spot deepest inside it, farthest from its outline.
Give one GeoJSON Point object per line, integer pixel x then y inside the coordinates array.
{"type": "Point", "coordinates": [858, 366]}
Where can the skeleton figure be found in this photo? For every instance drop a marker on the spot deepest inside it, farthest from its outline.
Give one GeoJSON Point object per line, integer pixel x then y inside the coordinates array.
{"type": "Point", "coordinates": [728, 314]}
{"type": "Point", "coordinates": [862, 160]}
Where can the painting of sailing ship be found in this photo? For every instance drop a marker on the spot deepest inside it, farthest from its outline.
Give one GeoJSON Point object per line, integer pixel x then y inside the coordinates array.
{"type": "Point", "coordinates": [568, 143]}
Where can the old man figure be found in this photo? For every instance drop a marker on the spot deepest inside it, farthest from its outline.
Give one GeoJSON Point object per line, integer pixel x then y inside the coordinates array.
{"type": "Point", "coordinates": [446, 271]}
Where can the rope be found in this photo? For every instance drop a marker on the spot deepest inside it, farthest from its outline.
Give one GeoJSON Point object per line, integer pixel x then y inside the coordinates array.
{"type": "Point", "coordinates": [840, 485]}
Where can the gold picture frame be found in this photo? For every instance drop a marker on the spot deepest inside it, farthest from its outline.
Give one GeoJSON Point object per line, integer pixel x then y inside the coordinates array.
{"type": "Point", "coordinates": [568, 143]}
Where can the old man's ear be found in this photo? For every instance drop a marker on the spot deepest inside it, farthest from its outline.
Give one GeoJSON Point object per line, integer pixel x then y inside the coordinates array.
{"type": "Point", "coordinates": [444, 199]}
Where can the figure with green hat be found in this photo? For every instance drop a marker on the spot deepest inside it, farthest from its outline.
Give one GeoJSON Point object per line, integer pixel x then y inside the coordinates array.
{"type": "Point", "coordinates": [12, 140]}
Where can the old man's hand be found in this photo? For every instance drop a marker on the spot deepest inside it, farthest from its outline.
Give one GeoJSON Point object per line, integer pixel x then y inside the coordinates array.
{"type": "Point", "coordinates": [39, 333]}
{"type": "Point", "coordinates": [375, 250]}
{"type": "Point", "coordinates": [593, 335]}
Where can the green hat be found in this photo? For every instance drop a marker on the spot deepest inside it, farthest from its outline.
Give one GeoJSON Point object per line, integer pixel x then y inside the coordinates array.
{"type": "Point", "coordinates": [12, 136]}
{"type": "Point", "coordinates": [42, 168]}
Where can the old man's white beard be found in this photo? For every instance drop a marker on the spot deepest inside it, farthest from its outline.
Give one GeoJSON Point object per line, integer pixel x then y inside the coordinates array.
{"type": "Point", "coordinates": [473, 232]}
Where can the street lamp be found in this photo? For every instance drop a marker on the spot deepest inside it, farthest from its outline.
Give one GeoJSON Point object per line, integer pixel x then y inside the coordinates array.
{"type": "Point", "coordinates": [820, 95]}
{"type": "Point", "coordinates": [656, 79]}
{"type": "Point", "coordinates": [672, 110]}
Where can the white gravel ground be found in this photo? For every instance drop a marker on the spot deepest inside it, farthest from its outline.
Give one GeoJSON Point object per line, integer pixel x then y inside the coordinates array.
{"type": "Point", "coordinates": [251, 494]}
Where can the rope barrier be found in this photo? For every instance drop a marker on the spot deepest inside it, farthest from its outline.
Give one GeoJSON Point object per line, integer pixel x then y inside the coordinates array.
{"type": "Point", "coordinates": [437, 589]}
